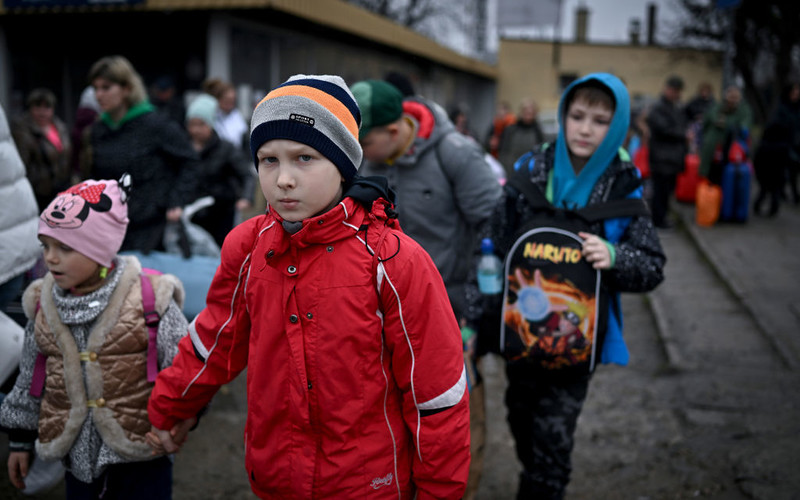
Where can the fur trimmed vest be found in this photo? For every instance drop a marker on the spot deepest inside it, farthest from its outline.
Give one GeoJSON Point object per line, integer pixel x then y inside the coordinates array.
{"type": "Point", "coordinates": [115, 385]}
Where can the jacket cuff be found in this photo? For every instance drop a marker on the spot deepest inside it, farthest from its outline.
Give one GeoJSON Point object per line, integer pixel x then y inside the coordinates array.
{"type": "Point", "coordinates": [22, 439]}
{"type": "Point", "coordinates": [612, 253]}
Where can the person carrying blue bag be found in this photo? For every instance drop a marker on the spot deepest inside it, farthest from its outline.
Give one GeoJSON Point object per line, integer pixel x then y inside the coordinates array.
{"type": "Point", "coordinates": [560, 312]}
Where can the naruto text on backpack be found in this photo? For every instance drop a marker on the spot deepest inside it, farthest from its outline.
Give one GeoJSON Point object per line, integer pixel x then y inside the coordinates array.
{"type": "Point", "coordinates": [554, 305]}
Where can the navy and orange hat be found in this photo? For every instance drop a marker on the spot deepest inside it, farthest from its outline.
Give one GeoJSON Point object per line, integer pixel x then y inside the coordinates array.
{"type": "Point", "coordinates": [316, 110]}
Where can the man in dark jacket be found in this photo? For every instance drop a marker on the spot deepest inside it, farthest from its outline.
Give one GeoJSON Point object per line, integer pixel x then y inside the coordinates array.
{"type": "Point", "coordinates": [520, 137]}
{"type": "Point", "coordinates": [668, 147]}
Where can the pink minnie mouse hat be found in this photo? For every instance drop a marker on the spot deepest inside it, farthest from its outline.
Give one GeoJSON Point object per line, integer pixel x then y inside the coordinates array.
{"type": "Point", "coordinates": [90, 217]}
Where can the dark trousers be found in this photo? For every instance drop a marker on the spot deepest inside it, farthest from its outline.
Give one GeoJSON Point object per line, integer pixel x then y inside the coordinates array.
{"type": "Point", "coordinates": [663, 187]}
{"type": "Point", "coordinates": [543, 411]}
{"type": "Point", "coordinates": [151, 480]}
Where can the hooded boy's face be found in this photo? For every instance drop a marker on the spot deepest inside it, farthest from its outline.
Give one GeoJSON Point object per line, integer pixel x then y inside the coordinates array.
{"type": "Point", "coordinates": [297, 180]}
{"type": "Point", "coordinates": [586, 126]}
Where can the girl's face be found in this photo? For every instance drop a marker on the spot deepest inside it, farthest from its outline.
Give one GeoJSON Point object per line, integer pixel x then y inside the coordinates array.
{"type": "Point", "coordinates": [69, 268]}
{"type": "Point", "coordinates": [297, 180]}
{"type": "Point", "coordinates": [586, 127]}
{"type": "Point", "coordinates": [227, 101]}
{"type": "Point", "coordinates": [198, 130]}
{"type": "Point", "coordinates": [112, 97]}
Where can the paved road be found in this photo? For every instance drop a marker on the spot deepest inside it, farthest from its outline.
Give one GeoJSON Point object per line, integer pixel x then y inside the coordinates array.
{"type": "Point", "coordinates": [709, 405]}
{"type": "Point", "coordinates": [707, 408]}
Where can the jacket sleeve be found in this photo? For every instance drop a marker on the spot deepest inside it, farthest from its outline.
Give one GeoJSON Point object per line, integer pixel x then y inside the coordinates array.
{"type": "Point", "coordinates": [215, 351]}
{"type": "Point", "coordinates": [428, 366]}
{"type": "Point", "coordinates": [171, 329]}
{"type": "Point", "coordinates": [475, 187]}
{"type": "Point", "coordinates": [19, 413]}
{"type": "Point", "coordinates": [639, 264]}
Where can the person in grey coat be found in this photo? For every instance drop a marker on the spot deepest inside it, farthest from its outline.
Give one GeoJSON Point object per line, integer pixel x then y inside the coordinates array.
{"type": "Point", "coordinates": [445, 189]}
{"type": "Point", "coordinates": [19, 216]}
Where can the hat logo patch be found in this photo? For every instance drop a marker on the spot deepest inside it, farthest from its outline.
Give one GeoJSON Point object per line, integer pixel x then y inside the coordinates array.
{"type": "Point", "coordinates": [305, 120]}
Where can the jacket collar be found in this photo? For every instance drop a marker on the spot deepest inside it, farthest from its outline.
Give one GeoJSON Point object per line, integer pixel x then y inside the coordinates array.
{"type": "Point", "coordinates": [341, 221]}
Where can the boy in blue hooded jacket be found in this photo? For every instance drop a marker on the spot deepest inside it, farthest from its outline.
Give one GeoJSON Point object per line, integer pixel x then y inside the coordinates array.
{"type": "Point", "coordinates": [585, 167]}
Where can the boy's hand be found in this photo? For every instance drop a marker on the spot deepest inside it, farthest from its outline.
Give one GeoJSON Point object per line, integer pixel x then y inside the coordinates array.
{"type": "Point", "coordinates": [163, 442]}
{"type": "Point", "coordinates": [18, 463]}
{"type": "Point", "coordinates": [595, 251]}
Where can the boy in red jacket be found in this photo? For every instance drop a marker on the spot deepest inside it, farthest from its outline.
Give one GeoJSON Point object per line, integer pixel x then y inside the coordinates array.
{"type": "Point", "coordinates": [356, 383]}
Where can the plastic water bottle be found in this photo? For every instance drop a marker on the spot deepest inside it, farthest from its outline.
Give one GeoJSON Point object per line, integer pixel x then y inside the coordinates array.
{"type": "Point", "coordinates": [490, 270]}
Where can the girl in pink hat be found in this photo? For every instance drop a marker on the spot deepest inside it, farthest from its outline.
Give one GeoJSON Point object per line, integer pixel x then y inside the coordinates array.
{"type": "Point", "coordinates": [98, 331]}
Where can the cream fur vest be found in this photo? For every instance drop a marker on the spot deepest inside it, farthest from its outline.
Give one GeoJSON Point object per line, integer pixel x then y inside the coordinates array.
{"type": "Point", "coordinates": [116, 385]}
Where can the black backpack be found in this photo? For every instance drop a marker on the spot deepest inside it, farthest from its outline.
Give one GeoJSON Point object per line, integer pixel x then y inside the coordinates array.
{"type": "Point", "coordinates": [554, 307]}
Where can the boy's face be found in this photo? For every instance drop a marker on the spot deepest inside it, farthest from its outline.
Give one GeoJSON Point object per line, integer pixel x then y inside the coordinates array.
{"type": "Point", "coordinates": [380, 143]}
{"type": "Point", "coordinates": [297, 180]}
{"type": "Point", "coordinates": [69, 267]}
{"type": "Point", "coordinates": [586, 127]}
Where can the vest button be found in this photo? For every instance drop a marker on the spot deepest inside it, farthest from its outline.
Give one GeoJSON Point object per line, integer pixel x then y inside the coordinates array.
{"type": "Point", "coordinates": [92, 356]}
{"type": "Point", "coordinates": [291, 269]}
{"type": "Point", "coordinates": [101, 402]}
{"type": "Point", "coordinates": [309, 315]}
{"type": "Point", "coordinates": [293, 318]}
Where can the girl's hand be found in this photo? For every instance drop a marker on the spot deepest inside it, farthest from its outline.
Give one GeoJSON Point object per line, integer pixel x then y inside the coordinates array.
{"type": "Point", "coordinates": [18, 463]}
{"type": "Point", "coordinates": [163, 442]}
{"type": "Point", "coordinates": [595, 251]}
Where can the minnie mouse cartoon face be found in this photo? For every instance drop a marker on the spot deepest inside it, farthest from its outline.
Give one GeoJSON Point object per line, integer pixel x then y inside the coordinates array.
{"type": "Point", "coordinates": [71, 207]}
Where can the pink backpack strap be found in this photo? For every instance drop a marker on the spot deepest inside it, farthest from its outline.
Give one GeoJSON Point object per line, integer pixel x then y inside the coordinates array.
{"type": "Point", "coordinates": [39, 374]}
{"type": "Point", "coordinates": [151, 319]}
{"type": "Point", "coordinates": [39, 368]}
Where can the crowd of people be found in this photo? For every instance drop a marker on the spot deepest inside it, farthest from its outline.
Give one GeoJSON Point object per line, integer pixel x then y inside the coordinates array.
{"type": "Point", "coordinates": [353, 301]}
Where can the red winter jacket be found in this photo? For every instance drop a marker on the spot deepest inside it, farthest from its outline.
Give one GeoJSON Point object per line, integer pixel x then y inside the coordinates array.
{"type": "Point", "coordinates": [349, 395]}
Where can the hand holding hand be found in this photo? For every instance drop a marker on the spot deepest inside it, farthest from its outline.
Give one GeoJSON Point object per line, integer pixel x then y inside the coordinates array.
{"type": "Point", "coordinates": [595, 251]}
{"type": "Point", "coordinates": [18, 463]}
{"type": "Point", "coordinates": [163, 442]}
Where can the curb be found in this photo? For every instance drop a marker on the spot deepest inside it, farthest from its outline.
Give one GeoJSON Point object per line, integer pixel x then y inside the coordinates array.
{"type": "Point", "coordinates": [736, 289]}
{"type": "Point", "coordinates": [675, 359]}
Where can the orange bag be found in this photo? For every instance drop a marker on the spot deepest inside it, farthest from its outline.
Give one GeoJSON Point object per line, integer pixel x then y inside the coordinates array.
{"type": "Point", "coordinates": [707, 204]}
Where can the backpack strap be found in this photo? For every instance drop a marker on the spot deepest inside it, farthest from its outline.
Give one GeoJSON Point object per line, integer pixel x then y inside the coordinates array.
{"type": "Point", "coordinates": [377, 260]}
{"type": "Point", "coordinates": [151, 319]}
{"type": "Point", "coordinates": [39, 375]}
{"type": "Point", "coordinates": [521, 181]}
{"type": "Point", "coordinates": [39, 368]}
{"type": "Point", "coordinates": [626, 207]}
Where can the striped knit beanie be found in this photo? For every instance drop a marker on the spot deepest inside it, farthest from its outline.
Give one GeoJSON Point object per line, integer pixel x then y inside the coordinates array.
{"type": "Point", "coordinates": [316, 110]}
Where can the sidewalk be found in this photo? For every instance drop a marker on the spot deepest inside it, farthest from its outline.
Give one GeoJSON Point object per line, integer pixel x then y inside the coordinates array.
{"type": "Point", "coordinates": [760, 262]}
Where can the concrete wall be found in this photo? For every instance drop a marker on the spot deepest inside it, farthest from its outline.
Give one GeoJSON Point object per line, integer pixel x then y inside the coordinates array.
{"type": "Point", "coordinates": [529, 68]}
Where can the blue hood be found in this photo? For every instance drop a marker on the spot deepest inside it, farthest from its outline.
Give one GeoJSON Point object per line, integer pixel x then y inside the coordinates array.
{"type": "Point", "coordinates": [571, 190]}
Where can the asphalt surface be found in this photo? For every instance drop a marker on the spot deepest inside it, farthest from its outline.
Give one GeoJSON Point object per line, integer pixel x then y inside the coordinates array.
{"type": "Point", "coordinates": [709, 406]}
